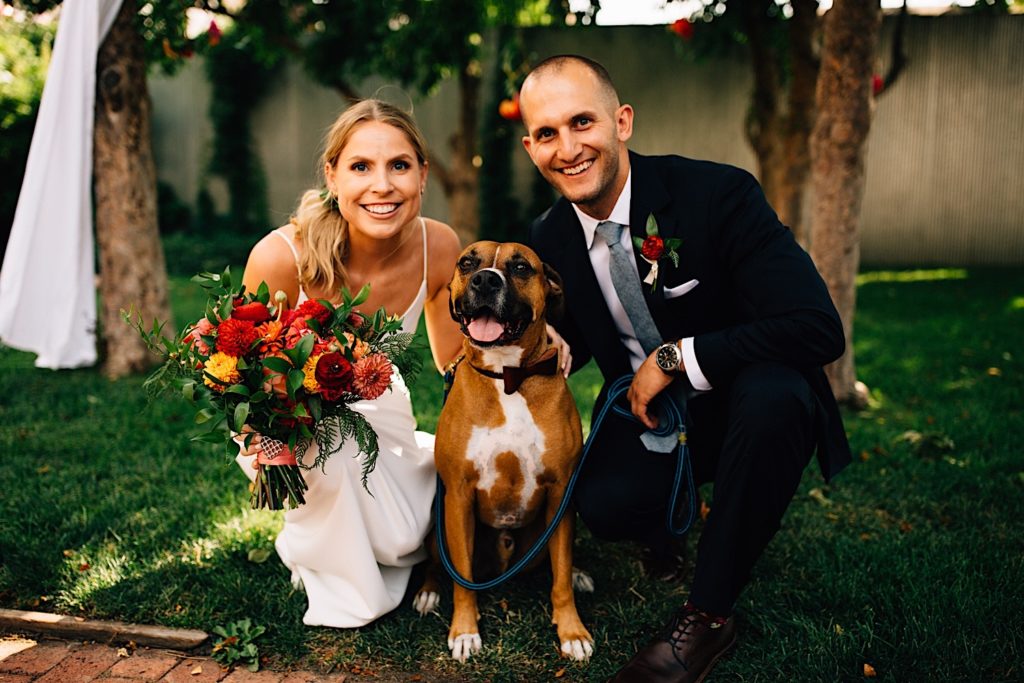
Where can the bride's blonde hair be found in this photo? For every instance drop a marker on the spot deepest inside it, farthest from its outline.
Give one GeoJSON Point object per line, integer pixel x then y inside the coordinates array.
{"type": "Point", "coordinates": [318, 222]}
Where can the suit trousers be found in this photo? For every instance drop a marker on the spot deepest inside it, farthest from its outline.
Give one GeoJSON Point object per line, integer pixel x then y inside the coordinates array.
{"type": "Point", "coordinates": [752, 438]}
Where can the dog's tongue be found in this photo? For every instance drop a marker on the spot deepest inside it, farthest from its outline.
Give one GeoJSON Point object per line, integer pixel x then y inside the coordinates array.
{"type": "Point", "coordinates": [485, 328]}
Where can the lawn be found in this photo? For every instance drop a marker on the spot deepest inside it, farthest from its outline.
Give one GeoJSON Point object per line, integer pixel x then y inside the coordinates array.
{"type": "Point", "coordinates": [912, 561]}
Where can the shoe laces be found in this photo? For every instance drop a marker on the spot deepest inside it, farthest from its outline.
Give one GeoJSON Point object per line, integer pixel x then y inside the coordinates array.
{"type": "Point", "coordinates": [685, 621]}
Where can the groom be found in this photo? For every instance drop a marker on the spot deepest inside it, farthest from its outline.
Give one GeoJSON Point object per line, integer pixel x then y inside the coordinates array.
{"type": "Point", "coordinates": [741, 326]}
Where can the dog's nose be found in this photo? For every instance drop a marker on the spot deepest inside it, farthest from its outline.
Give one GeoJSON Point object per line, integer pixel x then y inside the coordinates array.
{"type": "Point", "coordinates": [485, 282]}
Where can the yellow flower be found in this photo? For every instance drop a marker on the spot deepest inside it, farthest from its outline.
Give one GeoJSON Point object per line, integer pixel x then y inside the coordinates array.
{"type": "Point", "coordinates": [309, 370]}
{"type": "Point", "coordinates": [223, 367]}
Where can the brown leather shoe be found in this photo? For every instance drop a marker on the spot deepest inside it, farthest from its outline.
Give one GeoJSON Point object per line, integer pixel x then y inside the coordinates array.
{"type": "Point", "coordinates": [687, 651]}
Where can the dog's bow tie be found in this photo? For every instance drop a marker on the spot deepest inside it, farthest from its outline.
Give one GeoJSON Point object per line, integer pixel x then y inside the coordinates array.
{"type": "Point", "coordinates": [515, 375]}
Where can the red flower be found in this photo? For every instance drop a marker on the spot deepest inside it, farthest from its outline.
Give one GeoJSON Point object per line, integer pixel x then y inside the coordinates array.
{"type": "Point", "coordinates": [653, 248]}
{"type": "Point", "coordinates": [334, 375]}
{"type": "Point", "coordinates": [508, 109]}
{"type": "Point", "coordinates": [256, 312]}
{"type": "Point", "coordinates": [235, 337]}
{"type": "Point", "coordinates": [877, 84]}
{"type": "Point", "coordinates": [372, 375]}
{"type": "Point", "coordinates": [313, 309]}
{"type": "Point", "coordinates": [356, 319]}
{"type": "Point", "coordinates": [213, 34]}
{"type": "Point", "coordinates": [682, 28]}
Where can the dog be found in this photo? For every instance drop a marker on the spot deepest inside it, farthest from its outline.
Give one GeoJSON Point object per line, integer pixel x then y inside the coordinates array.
{"type": "Point", "coordinates": [508, 440]}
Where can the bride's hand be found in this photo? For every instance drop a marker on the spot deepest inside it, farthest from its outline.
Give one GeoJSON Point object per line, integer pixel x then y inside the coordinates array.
{"type": "Point", "coordinates": [564, 352]}
{"type": "Point", "coordinates": [254, 444]}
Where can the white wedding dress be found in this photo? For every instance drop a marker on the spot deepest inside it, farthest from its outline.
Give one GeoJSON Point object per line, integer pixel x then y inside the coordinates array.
{"type": "Point", "coordinates": [353, 553]}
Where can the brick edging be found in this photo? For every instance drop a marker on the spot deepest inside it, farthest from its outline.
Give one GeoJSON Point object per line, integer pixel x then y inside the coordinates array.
{"type": "Point", "coordinates": [100, 630]}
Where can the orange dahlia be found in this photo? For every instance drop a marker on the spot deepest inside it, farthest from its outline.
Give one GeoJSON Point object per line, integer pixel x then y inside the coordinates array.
{"type": "Point", "coordinates": [372, 375]}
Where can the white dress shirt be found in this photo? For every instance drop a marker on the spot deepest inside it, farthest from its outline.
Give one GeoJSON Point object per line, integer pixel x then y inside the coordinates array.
{"type": "Point", "coordinates": [599, 260]}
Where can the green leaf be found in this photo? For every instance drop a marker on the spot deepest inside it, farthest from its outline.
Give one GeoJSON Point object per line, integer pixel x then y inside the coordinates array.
{"type": "Point", "coordinates": [209, 437]}
{"type": "Point", "coordinates": [362, 296]}
{"type": "Point", "coordinates": [315, 407]}
{"type": "Point", "coordinates": [263, 292]}
{"type": "Point", "coordinates": [295, 378]}
{"type": "Point", "coordinates": [276, 364]}
{"type": "Point", "coordinates": [239, 389]}
{"type": "Point", "coordinates": [638, 242]}
{"type": "Point", "coordinates": [258, 397]}
{"type": "Point", "coordinates": [205, 415]}
{"type": "Point", "coordinates": [241, 414]}
{"type": "Point", "coordinates": [188, 390]}
{"type": "Point", "coordinates": [652, 225]}
{"type": "Point", "coordinates": [300, 353]}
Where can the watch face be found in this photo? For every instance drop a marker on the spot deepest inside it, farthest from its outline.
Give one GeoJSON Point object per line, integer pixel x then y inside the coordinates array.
{"type": "Point", "coordinates": [668, 357]}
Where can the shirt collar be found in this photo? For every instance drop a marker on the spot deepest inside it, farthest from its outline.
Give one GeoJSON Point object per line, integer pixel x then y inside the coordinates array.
{"type": "Point", "coordinates": [619, 214]}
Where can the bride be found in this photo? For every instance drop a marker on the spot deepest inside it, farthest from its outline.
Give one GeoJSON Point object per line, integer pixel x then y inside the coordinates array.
{"type": "Point", "coordinates": [352, 552]}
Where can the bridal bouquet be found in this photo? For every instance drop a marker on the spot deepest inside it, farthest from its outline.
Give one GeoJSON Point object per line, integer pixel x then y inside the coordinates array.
{"type": "Point", "coordinates": [251, 367]}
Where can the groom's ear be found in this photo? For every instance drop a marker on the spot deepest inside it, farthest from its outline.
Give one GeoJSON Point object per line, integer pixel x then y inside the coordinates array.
{"type": "Point", "coordinates": [554, 304]}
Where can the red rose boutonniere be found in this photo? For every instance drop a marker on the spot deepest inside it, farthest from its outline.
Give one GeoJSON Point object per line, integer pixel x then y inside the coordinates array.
{"type": "Point", "coordinates": [653, 249]}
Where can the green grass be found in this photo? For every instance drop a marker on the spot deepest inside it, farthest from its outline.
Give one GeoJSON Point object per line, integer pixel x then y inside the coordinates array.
{"type": "Point", "coordinates": [911, 561]}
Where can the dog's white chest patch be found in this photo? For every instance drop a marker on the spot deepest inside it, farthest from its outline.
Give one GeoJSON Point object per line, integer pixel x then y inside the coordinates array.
{"type": "Point", "coordinates": [519, 435]}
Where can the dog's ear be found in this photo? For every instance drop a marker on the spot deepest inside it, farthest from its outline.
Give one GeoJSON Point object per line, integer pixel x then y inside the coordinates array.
{"type": "Point", "coordinates": [554, 306]}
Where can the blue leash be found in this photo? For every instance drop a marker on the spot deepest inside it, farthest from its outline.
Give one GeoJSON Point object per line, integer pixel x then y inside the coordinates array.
{"type": "Point", "coordinates": [674, 424]}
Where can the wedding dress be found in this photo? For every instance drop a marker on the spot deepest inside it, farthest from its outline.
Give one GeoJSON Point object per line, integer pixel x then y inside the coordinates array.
{"type": "Point", "coordinates": [353, 552]}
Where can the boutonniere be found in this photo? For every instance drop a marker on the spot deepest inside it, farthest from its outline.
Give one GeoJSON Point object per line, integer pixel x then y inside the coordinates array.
{"type": "Point", "coordinates": [653, 249]}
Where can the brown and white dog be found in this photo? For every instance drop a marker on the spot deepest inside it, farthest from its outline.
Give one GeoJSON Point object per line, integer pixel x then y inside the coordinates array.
{"type": "Point", "coordinates": [508, 439]}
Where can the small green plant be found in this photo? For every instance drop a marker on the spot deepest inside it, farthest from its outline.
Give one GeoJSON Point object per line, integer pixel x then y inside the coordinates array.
{"type": "Point", "coordinates": [236, 644]}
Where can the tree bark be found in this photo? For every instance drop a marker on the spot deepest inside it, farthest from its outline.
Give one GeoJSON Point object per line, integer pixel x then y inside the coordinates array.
{"type": "Point", "coordinates": [131, 259]}
{"type": "Point", "coordinates": [781, 118]}
{"type": "Point", "coordinates": [460, 178]}
{"type": "Point", "coordinates": [838, 145]}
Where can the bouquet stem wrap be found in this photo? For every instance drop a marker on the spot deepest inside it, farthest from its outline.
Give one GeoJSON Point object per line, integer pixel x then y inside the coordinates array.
{"type": "Point", "coordinates": [278, 477]}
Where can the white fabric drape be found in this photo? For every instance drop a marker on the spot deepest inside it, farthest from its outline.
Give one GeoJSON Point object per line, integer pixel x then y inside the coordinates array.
{"type": "Point", "coordinates": [47, 290]}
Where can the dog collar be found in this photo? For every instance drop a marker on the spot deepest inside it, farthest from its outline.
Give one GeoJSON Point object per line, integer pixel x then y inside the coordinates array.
{"type": "Point", "coordinates": [515, 375]}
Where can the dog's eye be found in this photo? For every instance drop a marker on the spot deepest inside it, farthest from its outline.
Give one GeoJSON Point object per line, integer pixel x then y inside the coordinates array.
{"type": "Point", "coordinates": [467, 264]}
{"type": "Point", "coordinates": [522, 269]}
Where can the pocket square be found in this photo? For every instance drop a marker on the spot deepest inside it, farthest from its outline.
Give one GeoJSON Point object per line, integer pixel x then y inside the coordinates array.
{"type": "Point", "coordinates": [679, 290]}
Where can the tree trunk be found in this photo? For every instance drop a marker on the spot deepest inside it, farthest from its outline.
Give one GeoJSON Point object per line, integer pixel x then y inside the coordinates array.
{"type": "Point", "coordinates": [460, 179]}
{"type": "Point", "coordinates": [131, 259]}
{"type": "Point", "coordinates": [781, 117]}
{"type": "Point", "coordinates": [838, 145]}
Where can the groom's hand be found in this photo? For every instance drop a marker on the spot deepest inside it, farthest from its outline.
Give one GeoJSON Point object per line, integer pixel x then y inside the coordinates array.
{"type": "Point", "coordinates": [648, 382]}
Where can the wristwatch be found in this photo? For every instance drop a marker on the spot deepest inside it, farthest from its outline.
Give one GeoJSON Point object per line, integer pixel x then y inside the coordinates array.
{"type": "Point", "coordinates": [669, 358]}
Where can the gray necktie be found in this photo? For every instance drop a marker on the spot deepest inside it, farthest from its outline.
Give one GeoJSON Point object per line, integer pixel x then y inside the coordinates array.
{"type": "Point", "coordinates": [627, 285]}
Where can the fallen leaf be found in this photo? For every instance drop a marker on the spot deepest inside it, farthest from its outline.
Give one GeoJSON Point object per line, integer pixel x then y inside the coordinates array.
{"type": "Point", "coordinates": [994, 372]}
{"type": "Point", "coordinates": [503, 603]}
{"type": "Point", "coordinates": [865, 536]}
{"type": "Point", "coordinates": [69, 553]}
{"type": "Point", "coordinates": [864, 456]}
{"type": "Point", "coordinates": [196, 670]}
{"type": "Point", "coordinates": [905, 526]}
{"type": "Point", "coordinates": [84, 566]}
{"type": "Point", "coordinates": [416, 677]}
{"type": "Point", "coordinates": [839, 630]}
{"type": "Point", "coordinates": [705, 510]}
{"type": "Point", "coordinates": [259, 555]}
{"type": "Point", "coordinates": [123, 652]}
{"type": "Point", "coordinates": [819, 496]}
{"type": "Point", "coordinates": [43, 470]}
{"type": "Point", "coordinates": [869, 671]}
{"type": "Point", "coordinates": [560, 672]}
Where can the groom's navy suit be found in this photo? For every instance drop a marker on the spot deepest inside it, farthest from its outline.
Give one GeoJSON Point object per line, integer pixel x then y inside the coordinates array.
{"type": "Point", "coordinates": [763, 326]}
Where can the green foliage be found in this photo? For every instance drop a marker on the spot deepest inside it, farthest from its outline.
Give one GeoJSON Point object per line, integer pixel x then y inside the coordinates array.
{"type": "Point", "coordinates": [25, 47]}
{"type": "Point", "coordinates": [240, 69]}
{"type": "Point", "coordinates": [236, 644]}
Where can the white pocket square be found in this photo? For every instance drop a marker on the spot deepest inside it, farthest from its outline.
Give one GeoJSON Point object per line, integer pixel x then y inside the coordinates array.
{"type": "Point", "coordinates": [679, 290]}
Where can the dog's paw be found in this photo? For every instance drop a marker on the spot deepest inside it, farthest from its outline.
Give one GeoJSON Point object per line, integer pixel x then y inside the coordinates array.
{"type": "Point", "coordinates": [578, 649]}
{"type": "Point", "coordinates": [465, 645]}
{"type": "Point", "coordinates": [581, 581]}
{"type": "Point", "coordinates": [426, 602]}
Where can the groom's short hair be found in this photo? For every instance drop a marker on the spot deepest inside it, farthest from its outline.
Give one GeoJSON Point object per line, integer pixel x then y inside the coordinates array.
{"type": "Point", "coordinates": [558, 62]}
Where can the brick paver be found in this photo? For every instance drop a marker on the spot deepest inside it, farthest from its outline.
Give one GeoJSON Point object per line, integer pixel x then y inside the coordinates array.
{"type": "Point", "coordinates": [144, 664]}
{"type": "Point", "coordinates": [37, 659]}
{"type": "Point", "coordinates": [15, 678]}
{"type": "Point", "coordinates": [208, 671]}
{"type": "Point", "coordinates": [310, 677]}
{"type": "Point", "coordinates": [243, 675]}
{"type": "Point", "coordinates": [81, 666]}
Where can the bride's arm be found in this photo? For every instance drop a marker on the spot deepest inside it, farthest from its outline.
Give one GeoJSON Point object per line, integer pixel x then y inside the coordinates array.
{"type": "Point", "coordinates": [443, 251]}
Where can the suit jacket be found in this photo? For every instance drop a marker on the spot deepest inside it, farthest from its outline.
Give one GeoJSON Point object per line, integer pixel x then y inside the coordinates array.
{"type": "Point", "coordinates": [759, 298]}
